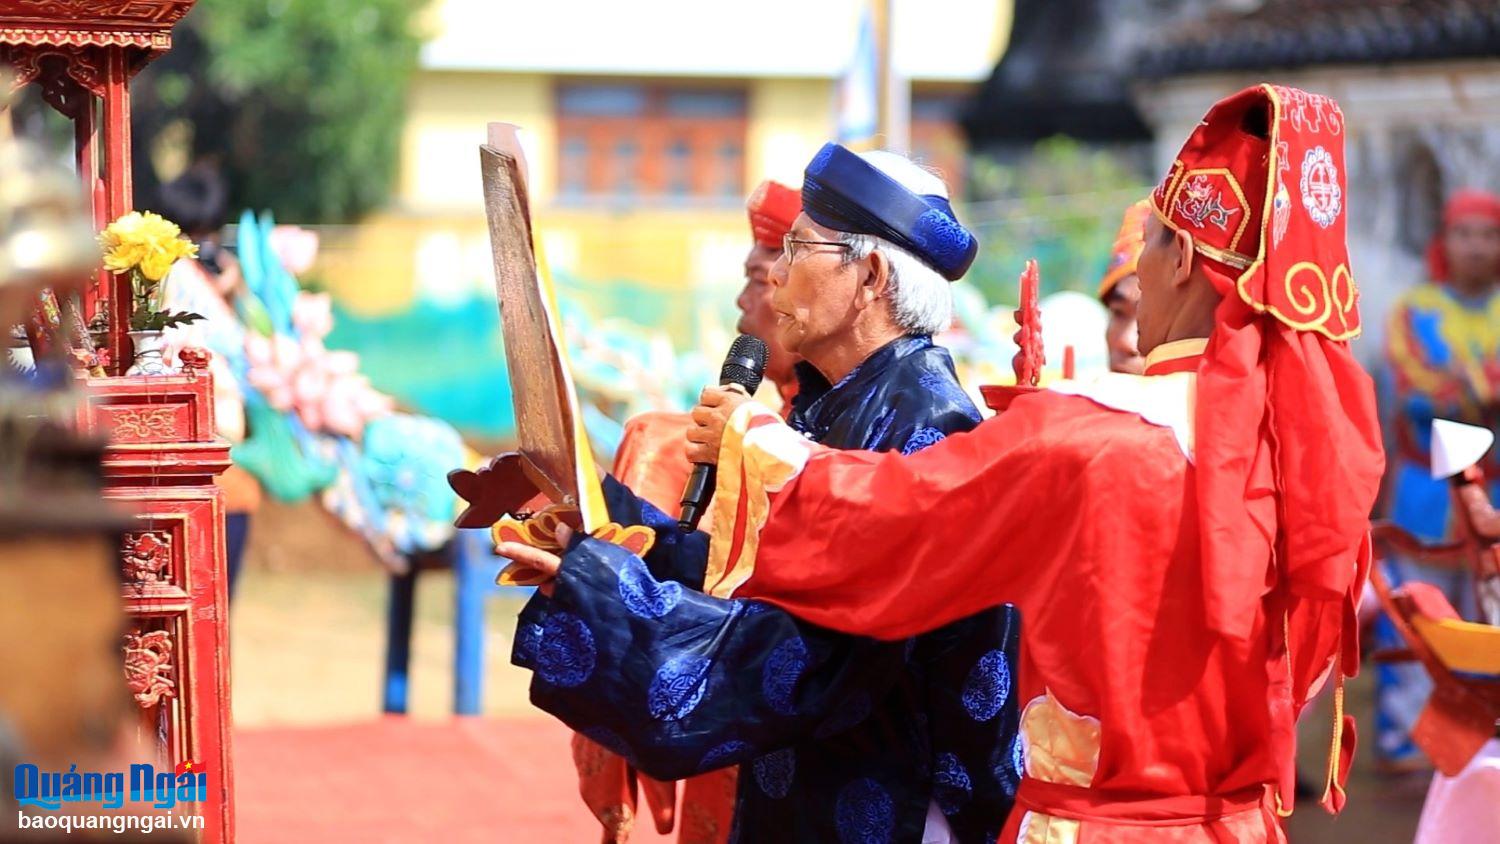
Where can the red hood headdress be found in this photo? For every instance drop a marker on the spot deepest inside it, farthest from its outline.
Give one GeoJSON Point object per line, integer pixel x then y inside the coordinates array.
{"type": "Point", "coordinates": [1289, 453]}
{"type": "Point", "coordinates": [773, 207]}
{"type": "Point", "coordinates": [1260, 186]}
{"type": "Point", "coordinates": [1463, 205]}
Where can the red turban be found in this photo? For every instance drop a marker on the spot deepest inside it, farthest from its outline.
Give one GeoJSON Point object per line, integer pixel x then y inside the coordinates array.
{"type": "Point", "coordinates": [773, 208]}
{"type": "Point", "coordinates": [1463, 205]}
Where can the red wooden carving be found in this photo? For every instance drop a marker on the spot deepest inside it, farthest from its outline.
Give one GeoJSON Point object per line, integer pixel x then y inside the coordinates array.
{"type": "Point", "coordinates": [1029, 358]}
{"type": "Point", "coordinates": [148, 667]}
{"type": "Point", "coordinates": [143, 424]}
{"type": "Point", "coordinates": [161, 462]}
{"type": "Point", "coordinates": [160, 408]}
{"type": "Point", "coordinates": [147, 556]}
{"type": "Point", "coordinates": [145, 25]}
{"type": "Point", "coordinates": [194, 358]}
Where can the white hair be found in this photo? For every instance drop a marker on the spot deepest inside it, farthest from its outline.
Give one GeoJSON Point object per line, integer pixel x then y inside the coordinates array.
{"type": "Point", "coordinates": [921, 299]}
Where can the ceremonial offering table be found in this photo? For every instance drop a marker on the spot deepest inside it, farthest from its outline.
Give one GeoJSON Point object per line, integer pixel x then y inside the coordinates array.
{"type": "Point", "coordinates": [160, 464]}
{"type": "Point", "coordinates": [162, 454]}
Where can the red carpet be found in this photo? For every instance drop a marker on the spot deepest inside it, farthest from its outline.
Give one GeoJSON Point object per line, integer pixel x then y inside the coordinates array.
{"type": "Point", "coordinates": [395, 780]}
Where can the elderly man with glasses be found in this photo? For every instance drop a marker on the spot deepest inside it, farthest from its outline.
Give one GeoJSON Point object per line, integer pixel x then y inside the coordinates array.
{"type": "Point", "coordinates": [838, 737]}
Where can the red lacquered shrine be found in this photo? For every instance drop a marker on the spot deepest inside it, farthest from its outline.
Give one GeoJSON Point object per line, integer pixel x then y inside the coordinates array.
{"type": "Point", "coordinates": [163, 455]}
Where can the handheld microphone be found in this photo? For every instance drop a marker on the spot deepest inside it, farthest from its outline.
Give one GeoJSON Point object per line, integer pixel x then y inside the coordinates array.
{"type": "Point", "coordinates": [745, 365]}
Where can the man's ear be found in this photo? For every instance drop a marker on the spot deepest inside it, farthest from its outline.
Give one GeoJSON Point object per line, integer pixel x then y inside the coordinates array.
{"type": "Point", "coordinates": [1184, 268]}
{"type": "Point", "coordinates": [876, 282]}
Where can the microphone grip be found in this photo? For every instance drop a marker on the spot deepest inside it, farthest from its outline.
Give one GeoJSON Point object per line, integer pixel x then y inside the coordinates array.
{"type": "Point", "coordinates": [695, 496]}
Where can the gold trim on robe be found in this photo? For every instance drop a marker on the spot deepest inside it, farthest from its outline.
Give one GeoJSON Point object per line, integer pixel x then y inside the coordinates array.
{"type": "Point", "coordinates": [1177, 350]}
{"type": "Point", "coordinates": [757, 457]}
{"type": "Point", "coordinates": [1060, 746]}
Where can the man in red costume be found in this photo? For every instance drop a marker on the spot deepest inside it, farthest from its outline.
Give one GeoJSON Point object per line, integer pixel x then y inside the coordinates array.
{"type": "Point", "coordinates": [1186, 547]}
{"type": "Point", "coordinates": [652, 461]}
{"type": "Point", "coordinates": [773, 209]}
{"type": "Point", "coordinates": [1120, 291]}
{"type": "Point", "coordinates": [1443, 346]}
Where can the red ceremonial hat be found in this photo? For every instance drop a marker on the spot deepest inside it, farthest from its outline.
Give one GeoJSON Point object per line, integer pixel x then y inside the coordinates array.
{"type": "Point", "coordinates": [1127, 249]}
{"type": "Point", "coordinates": [773, 208]}
{"type": "Point", "coordinates": [1463, 205]}
{"type": "Point", "coordinates": [1288, 452]}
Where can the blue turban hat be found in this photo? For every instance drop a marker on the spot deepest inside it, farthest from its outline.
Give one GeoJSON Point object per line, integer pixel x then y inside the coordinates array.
{"type": "Point", "coordinates": [845, 193]}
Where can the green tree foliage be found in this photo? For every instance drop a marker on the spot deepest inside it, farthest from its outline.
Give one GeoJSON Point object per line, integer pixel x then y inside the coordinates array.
{"type": "Point", "coordinates": [1061, 203]}
{"type": "Point", "coordinates": [300, 101]}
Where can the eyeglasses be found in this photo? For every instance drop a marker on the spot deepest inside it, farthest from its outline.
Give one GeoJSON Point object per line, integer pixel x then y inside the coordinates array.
{"type": "Point", "coordinates": [789, 244]}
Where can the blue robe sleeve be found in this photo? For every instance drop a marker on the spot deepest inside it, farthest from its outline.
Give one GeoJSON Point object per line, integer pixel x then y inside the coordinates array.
{"type": "Point", "coordinates": [678, 682]}
{"type": "Point", "coordinates": [676, 555]}
{"type": "Point", "coordinates": [974, 720]}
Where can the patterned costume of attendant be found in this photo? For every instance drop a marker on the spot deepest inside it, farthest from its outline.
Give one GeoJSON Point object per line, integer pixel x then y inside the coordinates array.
{"type": "Point", "coordinates": [1444, 353]}
{"type": "Point", "coordinates": [839, 738]}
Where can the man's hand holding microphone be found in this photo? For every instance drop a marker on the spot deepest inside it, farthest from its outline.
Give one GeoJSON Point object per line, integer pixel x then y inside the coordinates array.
{"type": "Point", "coordinates": [715, 406]}
{"type": "Point", "coordinates": [739, 377]}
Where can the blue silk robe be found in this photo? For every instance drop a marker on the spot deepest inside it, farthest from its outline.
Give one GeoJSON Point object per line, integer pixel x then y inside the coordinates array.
{"type": "Point", "coordinates": [838, 737]}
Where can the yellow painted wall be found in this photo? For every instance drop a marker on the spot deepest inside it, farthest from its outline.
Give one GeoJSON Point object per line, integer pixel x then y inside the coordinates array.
{"type": "Point", "coordinates": [656, 247]}
{"type": "Point", "coordinates": [446, 117]}
{"type": "Point", "coordinates": [432, 240]}
{"type": "Point", "coordinates": [789, 120]}
{"type": "Point", "coordinates": [432, 236]}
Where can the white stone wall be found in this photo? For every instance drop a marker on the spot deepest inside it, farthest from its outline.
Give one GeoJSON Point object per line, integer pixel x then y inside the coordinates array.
{"type": "Point", "coordinates": [1416, 132]}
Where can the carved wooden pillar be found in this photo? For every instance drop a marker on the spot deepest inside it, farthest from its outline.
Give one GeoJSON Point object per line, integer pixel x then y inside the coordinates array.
{"type": "Point", "coordinates": [161, 461]}
{"type": "Point", "coordinates": [118, 196]}
{"type": "Point", "coordinates": [162, 455]}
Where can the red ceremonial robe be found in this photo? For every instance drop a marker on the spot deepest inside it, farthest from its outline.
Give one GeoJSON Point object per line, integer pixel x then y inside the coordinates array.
{"type": "Point", "coordinates": [1081, 510]}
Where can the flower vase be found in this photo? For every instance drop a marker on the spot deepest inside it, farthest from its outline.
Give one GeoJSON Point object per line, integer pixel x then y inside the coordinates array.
{"type": "Point", "coordinates": [149, 358]}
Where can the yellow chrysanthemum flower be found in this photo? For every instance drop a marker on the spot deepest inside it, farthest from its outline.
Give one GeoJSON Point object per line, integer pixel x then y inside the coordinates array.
{"type": "Point", "coordinates": [146, 242]}
{"type": "Point", "coordinates": [124, 257]}
{"type": "Point", "coordinates": [157, 264]}
{"type": "Point", "coordinates": [159, 230]}
{"type": "Point", "coordinates": [127, 228]}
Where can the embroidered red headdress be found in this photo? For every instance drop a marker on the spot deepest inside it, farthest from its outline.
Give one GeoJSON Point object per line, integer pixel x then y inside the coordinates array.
{"type": "Point", "coordinates": [1463, 205]}
{"type": "Point", "coordinates": [1289, 454]}
{"type": "Point", "coordinates": [773, 207]}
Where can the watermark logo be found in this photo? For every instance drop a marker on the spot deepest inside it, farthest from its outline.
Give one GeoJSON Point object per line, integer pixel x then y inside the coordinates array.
{"type": "Point", "coordinates": [142, 784]}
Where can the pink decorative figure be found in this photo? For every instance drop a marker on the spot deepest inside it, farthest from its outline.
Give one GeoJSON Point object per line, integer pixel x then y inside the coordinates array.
{"type": "Point", "coordinates": [322, 386]}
